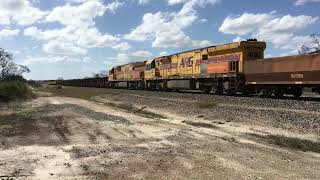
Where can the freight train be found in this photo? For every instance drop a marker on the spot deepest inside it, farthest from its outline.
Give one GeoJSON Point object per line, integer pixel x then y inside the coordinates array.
{"type": "Point", "coordinates": [238, 67]}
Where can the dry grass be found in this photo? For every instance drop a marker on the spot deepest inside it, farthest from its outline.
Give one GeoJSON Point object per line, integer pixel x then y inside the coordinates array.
{"type": "Point", "coordinates": [90, 93]}
{"type": "Point", "coordinates": [206, 105]}
{"type": "Point", "coordinates": [200, 124]}
{"type": "Point", "coordinates": [290, 142]}
{"type": "Point", "coordinates": [132, 109]}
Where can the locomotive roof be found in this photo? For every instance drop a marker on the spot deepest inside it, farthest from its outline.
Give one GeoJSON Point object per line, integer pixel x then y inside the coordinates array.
{"type": "Point", "coordinates": [206, 48]}
{"type": "Point", "coordinates": [133, 64]}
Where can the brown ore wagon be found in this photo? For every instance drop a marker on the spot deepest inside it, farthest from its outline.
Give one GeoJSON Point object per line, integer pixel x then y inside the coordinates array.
{"type": "Point", "coordinates": [284, 74]}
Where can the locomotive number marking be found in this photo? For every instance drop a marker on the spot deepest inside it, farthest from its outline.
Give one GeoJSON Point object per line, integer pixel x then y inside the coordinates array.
{"type": "Point", "coordinates": [297, 76]}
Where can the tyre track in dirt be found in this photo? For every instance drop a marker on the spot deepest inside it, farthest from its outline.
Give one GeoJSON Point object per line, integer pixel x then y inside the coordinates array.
{"type": "Point", "coordinates": [177, 147]}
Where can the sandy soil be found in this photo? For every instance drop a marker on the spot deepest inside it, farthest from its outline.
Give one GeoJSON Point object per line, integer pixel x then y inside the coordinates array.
{"type": "Point", "coordinates": [68, 138]}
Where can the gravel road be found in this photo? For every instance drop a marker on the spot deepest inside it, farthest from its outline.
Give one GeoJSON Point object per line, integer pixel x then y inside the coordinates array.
{"type": "Point", "coordinates": [126, 134]}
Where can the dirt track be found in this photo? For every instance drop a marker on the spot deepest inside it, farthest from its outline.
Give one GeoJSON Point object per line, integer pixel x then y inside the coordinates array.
{"type": "Point", "coordinates": [68, 138]}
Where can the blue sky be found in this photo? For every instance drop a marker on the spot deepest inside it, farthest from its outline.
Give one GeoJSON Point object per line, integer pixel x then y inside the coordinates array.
{"type": "Point", "coordinates": [76, 38]}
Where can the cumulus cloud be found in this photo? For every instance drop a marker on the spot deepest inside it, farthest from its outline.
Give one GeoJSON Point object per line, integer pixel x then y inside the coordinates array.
{"type": "Point", "coordinates": [19, 11]}
{"type": "Point", "coordinates": [302, 2]}
{"type": "Point", "coordinates": [166, 29]}
{"type": "Point", "coordinates": [63, 48]}
{"type": "Point", "coordinates": [51, 59]}
{"type": "Point", "coordinates": [124, 58]}
{"type": "Point", "coordinates": [279, 30]}
{"type": "Point", "coordinates": [163, 53]}
{"type": "Point", "coordinates": [77, 15]}
{"type": "Point", "coordinates": [78, 33]}
{"type": "Point", "coordinates": [121, 58]}
{"type": "Point", "coordinates": [122, 46]}
{"type": "Point", "coordinates": [4, 33]}
{"type": "Point", "coordinates": [144, 54]}
{"type": "Point", "coordinates": [238, 39]}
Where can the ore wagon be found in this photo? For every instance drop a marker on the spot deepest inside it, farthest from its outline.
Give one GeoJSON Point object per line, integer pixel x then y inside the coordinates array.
{"type": "Point", "coordinates": [283, 75]}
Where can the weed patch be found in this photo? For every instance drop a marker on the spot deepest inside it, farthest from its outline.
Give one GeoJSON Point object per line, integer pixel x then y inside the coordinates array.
{"type": "Point", "coordinates": [206, 105]}
{"type": "Point", "coordinates": [11, 90]}
{"type": "Point", "coordinates": [289, 142]}
{"type": "Point", "coordinates": [132, 109]}
{"type": "Point", "coordinates": [200, 124]}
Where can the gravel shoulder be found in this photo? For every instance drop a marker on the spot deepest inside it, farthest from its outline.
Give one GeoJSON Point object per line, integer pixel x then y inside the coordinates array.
{"type": "Point", "coordinates": [160, 136]}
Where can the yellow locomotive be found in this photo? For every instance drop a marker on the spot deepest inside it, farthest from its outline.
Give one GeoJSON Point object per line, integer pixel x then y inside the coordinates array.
{"type": "Point", "coordinates": [229, 68]}
{"type": "Point", "coordinates": [215, 68]}
{"type": "Point", "coordinates": [128, 75]}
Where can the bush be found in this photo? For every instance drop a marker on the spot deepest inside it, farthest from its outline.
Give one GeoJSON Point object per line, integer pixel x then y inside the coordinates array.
{"type": "Point", "coordinates": [13, 89]}
{"type": "Point", "coordinates": [206, 105]}
{"type": "Point", "coordinates": [58, 87]}
{"type": "Point", "coordinates": [34, 84]}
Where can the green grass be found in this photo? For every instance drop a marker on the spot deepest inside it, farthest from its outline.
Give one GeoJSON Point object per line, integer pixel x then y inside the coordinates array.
{"type": "Point", "coordinates": [34, 84]}
{"type": "Point", "coordinates": [206, 105]}
{"type": "Point", "coordinates": [132, 109]}
{"type": "Point", "coordinates": [90, 93]}
{"type": "Point", "coordinates": [290, 142]}
{"type": "Point", "coordinates": [11, 90]}
{"type": "Point", "coordinates": [201, 124]}
{"type": "Point", "coordinates": [75, 92]}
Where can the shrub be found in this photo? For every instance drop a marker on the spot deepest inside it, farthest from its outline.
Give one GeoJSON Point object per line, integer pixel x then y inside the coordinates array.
{"type": "Point", "coordinates": [206, 105]}
{"type": "Point", "coordinates": [58, 87]}
{"type": "Point", "coordinates": [34, 84]}
{"type": "Point", "coordinates": [13, 89]}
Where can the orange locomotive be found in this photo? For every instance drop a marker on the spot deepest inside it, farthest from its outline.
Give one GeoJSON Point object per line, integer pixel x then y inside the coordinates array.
{"type": "Point", "coordinates": [215, 68]}
{"type": "Point", "coordinates": [237, 67]}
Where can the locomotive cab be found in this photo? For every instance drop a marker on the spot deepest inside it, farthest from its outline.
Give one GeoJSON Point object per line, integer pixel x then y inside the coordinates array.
{"type": "Point", "coordinates": [151, 70]}
{"type": "Point", "coordinates": [112, 75]}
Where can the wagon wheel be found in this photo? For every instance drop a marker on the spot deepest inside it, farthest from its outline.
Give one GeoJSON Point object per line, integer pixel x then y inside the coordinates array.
{"type": "Point", "coordinates": [207, 90]}
{"type": "Point", "coordinates": [265, 93]}
{"type": "Point", "coordinates": [278, 93]}
{"type": "Point", "coordinates": [216, 90]}
{"type": "Point", "coordinates": [297, 93]}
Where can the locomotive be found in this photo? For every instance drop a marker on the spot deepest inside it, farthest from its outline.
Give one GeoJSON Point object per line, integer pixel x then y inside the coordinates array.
{"type": "Point", "coordinates": [238, 67]}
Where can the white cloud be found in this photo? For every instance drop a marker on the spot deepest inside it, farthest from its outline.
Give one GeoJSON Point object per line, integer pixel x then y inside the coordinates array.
{"type": "Point", "coordinates": [124, 58]}
{"type": "Point", "coordinates": [8, 33]}
{"type": "Point", "coordinates": [244, 24]}
{"type": "Point", "coordinates": [50, 59]}
{"type": "Point", "coordinates": [268, 56]}
{"type": "Point", "coordinates": [122, 46]}
{"type": "Point", "coordinates": [143, 1]}
{"type": "Point", "coordinates": [173, 2]}
{"type": "Point", "coordinates": [166, 29]}
{"type": "Point", "coordinates": [302, 2]}
{"type": "Point", "coordinates": [238, 39]}
{"type": "Point", "coordinates": [63, 48]}
{"type": "Point", "coordinates": [200, 2]}
{"type": "Point", "coordinates": [203, 20]}
{"type": "Point", "coordinates": [144, 54]}
{"type": "Point", "coordinates": [279, 30]}
{"type": "Point", "coordinates": [79, 32]}
{"type": "Point", "coordinates": [288, 23]}
{"type": "Point", "coordinates": [77, 40]}
{"type": "Point", "coordinates": [20, 11]}
{"type": "Point", "coordinates": [81, 15]}
{"type": "Point", "coordinates": [163, 53]}
{"type": "Point", "coordinates": [113, 6]}
{"type": "Point", "coordinates": [121, 58]}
